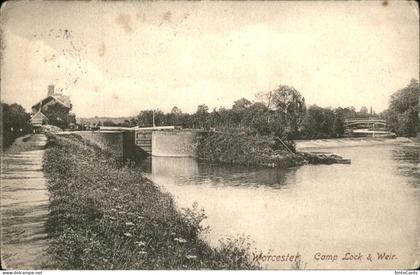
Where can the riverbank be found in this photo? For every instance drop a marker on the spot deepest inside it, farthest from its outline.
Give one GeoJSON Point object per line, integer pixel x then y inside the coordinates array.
{"type": "Point", "coordinates": [241, 148]}
{"type": "Point", "coordinates": [107, 216]}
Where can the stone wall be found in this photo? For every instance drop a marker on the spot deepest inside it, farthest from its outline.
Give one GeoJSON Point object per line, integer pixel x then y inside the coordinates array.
{"type": "Point", "coordinates": [119, 143]}
{"type": "Point", "coordinates": [175, 143]}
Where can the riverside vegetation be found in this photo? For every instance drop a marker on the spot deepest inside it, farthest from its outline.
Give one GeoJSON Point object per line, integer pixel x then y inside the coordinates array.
{"type": "Point", "coordinates": [283, 112]}
{"type": "Point", "coordinates": [104, 215]}
{"type": "Point", "coordinates": [244, 148]}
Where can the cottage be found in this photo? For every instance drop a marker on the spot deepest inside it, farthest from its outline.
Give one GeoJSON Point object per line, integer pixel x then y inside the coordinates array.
{"type": "Point", "coordinates": [53, 110]}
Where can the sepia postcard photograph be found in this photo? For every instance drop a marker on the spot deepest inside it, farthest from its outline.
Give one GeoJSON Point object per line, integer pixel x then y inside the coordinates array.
{"type": "Point", "coordinates": [210, 135]}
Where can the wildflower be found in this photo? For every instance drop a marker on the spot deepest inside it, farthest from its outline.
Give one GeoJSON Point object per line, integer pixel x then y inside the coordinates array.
{"type": "Point", "coordinates": [190, 257]}
{"type": "Point", "coordinates": [129, 224]}
{"type": "Point", "coordinates": [142, 252]}
{"type": "Point", "coordinates": [128, 234]}
{"type": "Point", "coordinates": [180, 240]}
{"type": "Point", "coordinates": [115, 189]}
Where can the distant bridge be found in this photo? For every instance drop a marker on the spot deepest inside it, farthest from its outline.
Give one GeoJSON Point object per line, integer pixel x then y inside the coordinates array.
{"type": "Point", "coordinates": [352, 123]}
{"type": "Point", "coordinates": [366, 127]}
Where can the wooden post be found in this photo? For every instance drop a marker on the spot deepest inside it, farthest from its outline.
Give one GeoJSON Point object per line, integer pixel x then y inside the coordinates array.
{"type": "Point", "coordinates": [288, 149]}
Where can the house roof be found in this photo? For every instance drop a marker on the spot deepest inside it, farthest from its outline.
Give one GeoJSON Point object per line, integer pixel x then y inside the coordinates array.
{"type": "Point", "coordinates": [38, 117]}
{"type": "Point", "coordinates": [61, 99]}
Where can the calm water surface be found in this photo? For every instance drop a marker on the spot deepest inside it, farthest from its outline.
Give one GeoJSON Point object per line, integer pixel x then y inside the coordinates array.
{"type": "Point", "coordinates": [367, 207]}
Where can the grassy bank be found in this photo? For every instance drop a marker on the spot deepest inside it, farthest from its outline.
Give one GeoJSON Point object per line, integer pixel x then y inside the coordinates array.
{"type": "Point", "coordinates": [243, 148]}
{"type": "Point", "coordinates": [8, 138]}
{"type": "Point", "coordinates": [107, 216]}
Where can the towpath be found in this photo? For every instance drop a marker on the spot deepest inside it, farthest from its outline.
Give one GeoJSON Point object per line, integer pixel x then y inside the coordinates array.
{"type": "Point", "coordinates": [24, 204]}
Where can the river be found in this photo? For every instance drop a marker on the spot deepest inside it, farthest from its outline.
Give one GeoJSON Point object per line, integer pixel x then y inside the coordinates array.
{"type": "Point", "coordinates": [321, 212]}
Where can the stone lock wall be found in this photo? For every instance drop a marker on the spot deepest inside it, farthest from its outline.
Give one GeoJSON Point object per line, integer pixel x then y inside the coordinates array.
{"type": "Point", "coordinates": [176, 143]}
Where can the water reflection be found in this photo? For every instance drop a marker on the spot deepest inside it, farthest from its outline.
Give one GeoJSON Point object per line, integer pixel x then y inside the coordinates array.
{"type": "Point", "coordinates": [408, 163]}
{"type": "Point", "coordinates": [367, 207]}
{"type": "Point", "coordinates": [186, 171]}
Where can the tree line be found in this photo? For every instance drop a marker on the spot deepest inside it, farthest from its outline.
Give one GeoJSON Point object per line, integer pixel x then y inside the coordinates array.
{"type": "Point", "coordinates": [402, 114]}
{"type": "Point", "coordinates": [283, 112]}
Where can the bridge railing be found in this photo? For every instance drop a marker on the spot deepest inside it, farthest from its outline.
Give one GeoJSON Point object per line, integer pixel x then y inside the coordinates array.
{"type": "Point", "coordinates": [365, 121]}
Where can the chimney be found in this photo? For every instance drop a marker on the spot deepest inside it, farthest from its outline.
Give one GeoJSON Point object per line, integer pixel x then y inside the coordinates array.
{"type": "Point", "coordinates": [50, 90]}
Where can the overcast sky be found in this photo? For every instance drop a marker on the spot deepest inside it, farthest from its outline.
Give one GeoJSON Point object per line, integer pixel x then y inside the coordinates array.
{"type": "Point", "coordinates": [117, 58]}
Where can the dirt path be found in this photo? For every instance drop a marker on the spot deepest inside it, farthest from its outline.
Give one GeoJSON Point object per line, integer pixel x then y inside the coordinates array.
{"type": "Point", "coordinates": [24, 204]}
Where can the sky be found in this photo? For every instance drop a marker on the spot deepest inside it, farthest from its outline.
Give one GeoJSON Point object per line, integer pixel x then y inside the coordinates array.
{"type": "Point", "coordinates": [117, 58]}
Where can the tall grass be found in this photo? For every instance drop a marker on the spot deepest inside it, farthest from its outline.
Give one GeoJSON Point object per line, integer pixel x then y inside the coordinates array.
{"type": "Point", "coordinates": [104, 215]}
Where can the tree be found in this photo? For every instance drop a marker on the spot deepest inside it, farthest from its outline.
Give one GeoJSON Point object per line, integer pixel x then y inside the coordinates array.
{"type": "Point", "coordinates": [173, 118]}
{"type": "Point", "coordinates": [200, 117]}
{"type": "Point", "coordinates": [403, 112]}
{"type": "Point", "coordinates": [176, 110]}
{"type": "Point", "coordinates": [318, 123]}
{"type": "Point", "coordinates": [239, 108]}
{"type": "Point", "coordinates": [202, 109]}
{"type": "Point", "coordinates": [241, 104]}
{"type": "Point", "coordinates": [290, 108]}
{"type": "Point", "coordinates": [257, 118]}
{"type": "Point", "coordinates": [15, 122]}
{"type": "Point", "coordinates": [339, 122]}
{"type": "Point", "coordinates": [364, 110]}
{"type": "Point", "coordinates": [145, 118]}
